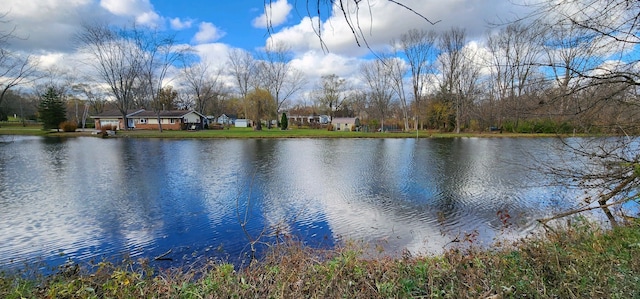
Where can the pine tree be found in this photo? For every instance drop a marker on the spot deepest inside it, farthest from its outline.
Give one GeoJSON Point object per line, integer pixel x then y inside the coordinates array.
{"type": "Point", "coordinates": [52, 110]}
{"type": "Point", "coordinates": [284, 122]}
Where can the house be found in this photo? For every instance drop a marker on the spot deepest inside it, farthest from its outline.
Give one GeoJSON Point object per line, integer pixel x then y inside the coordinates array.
{"type": "Point", "coordinates": [170, 120]}
{"type": "Point", "coordinates": [113, 119]}
{"type": "Point", "coordinates": [306, 120]}
{"type": "Point", "coordinates": [345, 124]}
{"type": "Point", "coordinates": [148, 120]}
{"type": "Point", "coordinates": [225, 119]}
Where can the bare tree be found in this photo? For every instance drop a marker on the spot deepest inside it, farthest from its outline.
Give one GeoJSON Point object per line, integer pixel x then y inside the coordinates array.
{"type": "Point", "coordinates": [460, 72]}
{"type": "Point", "coordinates": [278, 75]}
{"type": "Point", "coordinates": [92, 94]}
{"type": "Point", "coordinates": [15, 69]}
{"type": "Point", "coordinates": [117, 61]}
{"type": "Point", "coordinates": [332, 93]}
{"type": "Point", "coordinates": [515, 55]}
{"type": "Point", "coordinates": [398, 69]}
{"type": "Point", "coordinates": [160, 53]}
{"type": "Point", "coordinates": [602, 32]}
{"type": "Point", "coordinates": [419, 47]}
{"type": "Point", "coordinates": [377, 76]}
{"type": "Point", "coordinates": [204, 86]}
{"type": "Point", "coordinates": [243, 68]}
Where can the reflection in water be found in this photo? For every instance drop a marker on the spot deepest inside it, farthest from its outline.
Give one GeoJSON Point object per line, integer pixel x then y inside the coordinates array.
{"type": "Point", "coordinates": [88, 198]}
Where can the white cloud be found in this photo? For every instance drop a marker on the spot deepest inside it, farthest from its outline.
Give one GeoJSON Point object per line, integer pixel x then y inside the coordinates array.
{"type": "Point", "coordinates": [274, 14]}
{"type": "Point", "coordinates": [141, 10]}
{"type": "Point", "coordinates": [214, 53]}
{"type": "Point", "coordinates": [314, 65]}
{"type": "Point", "coordinates": [380, 21]}
{"type": "Point", "coordinates": [46, 25]}
{"type": "Point", "coordinates": [207, 33]}
{"type": "Point", "coordinates": [178, 24]}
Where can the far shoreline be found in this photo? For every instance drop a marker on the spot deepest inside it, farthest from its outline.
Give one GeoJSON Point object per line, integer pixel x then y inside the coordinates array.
{"type": "Point", "coordinates": [248, 133]}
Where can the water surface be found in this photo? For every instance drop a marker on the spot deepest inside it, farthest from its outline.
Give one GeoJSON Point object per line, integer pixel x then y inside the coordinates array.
{"type": "Point", "coordinates": [89, 198]}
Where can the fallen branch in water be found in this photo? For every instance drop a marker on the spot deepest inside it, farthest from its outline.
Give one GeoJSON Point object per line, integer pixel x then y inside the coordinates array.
{"type": "Point", "coordinates": [163, 257]}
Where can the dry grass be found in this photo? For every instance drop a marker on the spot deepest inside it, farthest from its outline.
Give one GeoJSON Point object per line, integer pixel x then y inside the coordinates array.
{"type": "Point", "coordinates": [582, 261]}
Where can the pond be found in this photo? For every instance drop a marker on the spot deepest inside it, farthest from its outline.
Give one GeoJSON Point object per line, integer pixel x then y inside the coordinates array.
{"type": "Point", "coordinates": [86, 199]}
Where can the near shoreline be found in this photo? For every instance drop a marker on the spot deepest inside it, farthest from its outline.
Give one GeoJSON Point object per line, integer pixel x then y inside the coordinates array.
{"type": "Point", "coordinates": [581, 260]}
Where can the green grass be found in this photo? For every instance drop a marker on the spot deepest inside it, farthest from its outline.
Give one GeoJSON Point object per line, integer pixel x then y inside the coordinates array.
{"type": "Point", "coordinates": [17, 129]}
{"type": "Point", "coordinates": [305, 133]}
{"type": "Point", "coordinates": [580, 261]}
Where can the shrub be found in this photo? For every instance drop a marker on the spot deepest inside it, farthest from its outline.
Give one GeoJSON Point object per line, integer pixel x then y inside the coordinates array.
{"type": "Point", "coordinates": [68, 126]}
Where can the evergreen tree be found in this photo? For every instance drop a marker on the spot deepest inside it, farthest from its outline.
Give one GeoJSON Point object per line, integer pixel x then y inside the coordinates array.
{"type": "Point", "coordinates": [284, 122]}
{"type": "Point", "coordinates": [52, 109]}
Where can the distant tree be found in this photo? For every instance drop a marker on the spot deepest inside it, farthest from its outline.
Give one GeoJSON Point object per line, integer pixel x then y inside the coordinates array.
{"type": "Point", "coordinates": [278, 75]}
{"type": "Point", "coordinates": [116, 60]}
{"type": "Point", "coordinates": [460, 73]}
{"type": "Point", "coordinates": [160, 54]}
{"type": "Point", "coordinates": [52, 109]}
{"type": "Point", "coordinates": [93, 95]}
{"type": "Point", "coordinates": [514, 51]}
{"type": "Point", "coordinates": [419, 46]}
{"type": "Point", "coordinates": [377, 76]}
{"type": "Point", "coordinates": [332, 93]}
{"type": "Point", "coordinates": [260, 105]}
{"type": "Point", "coordinates": [204, 87]}
{"type": "Point", "coordinates": [398, 69]}
{"type": "Point", "coordinates": [284, 122]}
{"type": "Point", "coordinates": [15, 69]}
{"type": "Point", "coordinates": [243, 68]}
{"type": "Point", "coordinates": [167, 98]}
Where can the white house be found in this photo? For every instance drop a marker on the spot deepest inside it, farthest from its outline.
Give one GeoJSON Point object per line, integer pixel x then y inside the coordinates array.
{"type": "Point", "coordinates": [345, 123]}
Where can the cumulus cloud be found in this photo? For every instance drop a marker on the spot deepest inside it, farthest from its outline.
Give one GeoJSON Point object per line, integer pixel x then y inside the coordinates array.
{"type": "Point", "coordinates": [316, 64]}
{"type": "Point", "coordinates": [178, 24]}
{"type": "Point", "coordinates": [207, 33]}
{"type": "Point", "coordinates": [274, 14]}
{"type": "Point", "coordinates": [49, 25]}
{"type": "Point", "coordinates": [141, 10]}
{"type": "Point", "coordinates": [377, 22]}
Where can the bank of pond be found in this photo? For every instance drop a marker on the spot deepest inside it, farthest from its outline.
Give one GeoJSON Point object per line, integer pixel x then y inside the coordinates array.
{"type": "Point", "coordinates": [579, 260]}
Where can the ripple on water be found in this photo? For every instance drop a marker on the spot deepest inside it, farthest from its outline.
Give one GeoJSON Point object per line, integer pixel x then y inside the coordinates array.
{"type": "Point", "coordinates": [59, 199]}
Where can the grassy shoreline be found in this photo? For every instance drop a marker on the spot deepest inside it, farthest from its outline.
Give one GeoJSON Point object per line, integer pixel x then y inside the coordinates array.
{"type": "Point", "coordinates": [580, 261]}
{"type": "Point", "coordinates": [248, 133]}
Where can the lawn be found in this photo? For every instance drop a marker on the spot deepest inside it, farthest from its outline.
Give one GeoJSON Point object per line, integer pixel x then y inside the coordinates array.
{"type": "Point", "coordinates": [13, 128]}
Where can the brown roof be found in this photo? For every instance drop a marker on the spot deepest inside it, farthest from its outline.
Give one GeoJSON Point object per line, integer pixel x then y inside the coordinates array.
{"type": "Point", "coordinates": [141, 113]}
{"type": "Point", "coordinates": [116, 113]}
{"type": "Point", "coordinates": [345, 120]}
{"type": "Point", "coordinates": [164, 114]}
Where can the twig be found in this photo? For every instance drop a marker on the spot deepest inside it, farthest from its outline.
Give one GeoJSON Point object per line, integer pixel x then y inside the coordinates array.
{"type": "Point", "coordinates": [163, 257]}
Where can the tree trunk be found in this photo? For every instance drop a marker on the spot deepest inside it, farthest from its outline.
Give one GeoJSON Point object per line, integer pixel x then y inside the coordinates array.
{"type": "Point", "coordinates": [159, 123]}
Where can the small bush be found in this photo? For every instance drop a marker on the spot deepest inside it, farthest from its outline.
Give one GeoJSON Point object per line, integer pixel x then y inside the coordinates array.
{"type": "Point", "coordinates": [105, 128]}
{"type": "Point", "coordinates": [68, 126]}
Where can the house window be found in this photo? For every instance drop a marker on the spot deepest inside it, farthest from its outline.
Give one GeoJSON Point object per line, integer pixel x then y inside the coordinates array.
{"type": "Point", "coordinates": [143, 120]}
{"type": "Point", "coordinates": [173, 120]}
